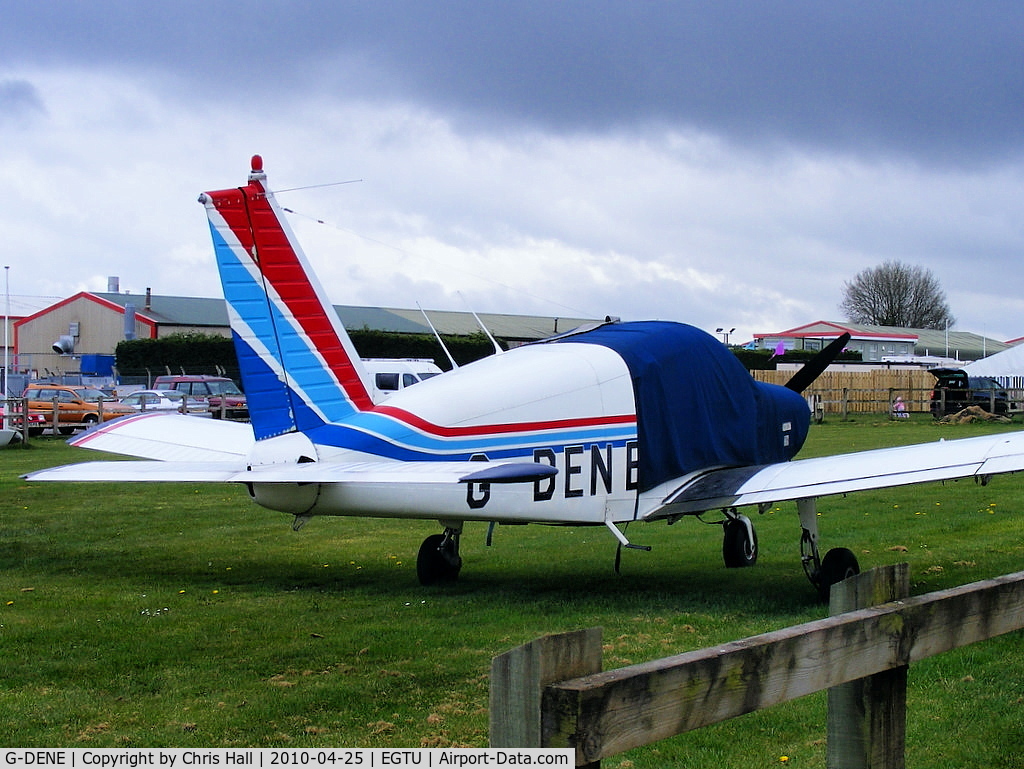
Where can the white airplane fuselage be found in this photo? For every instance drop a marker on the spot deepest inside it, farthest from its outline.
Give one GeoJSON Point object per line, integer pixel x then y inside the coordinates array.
{"type": "Point", "coordinates": [537, 403]}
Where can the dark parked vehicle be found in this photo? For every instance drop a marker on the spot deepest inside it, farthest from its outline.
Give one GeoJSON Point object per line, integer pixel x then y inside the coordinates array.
{"type": "Point", "coordinates": [955, 391]}
{"type": "Point", "coordinates": [220, 393]}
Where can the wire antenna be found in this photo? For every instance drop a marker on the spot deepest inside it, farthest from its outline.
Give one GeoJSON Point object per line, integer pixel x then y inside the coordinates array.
{"type": "Point", "coordinates": [317, 186]}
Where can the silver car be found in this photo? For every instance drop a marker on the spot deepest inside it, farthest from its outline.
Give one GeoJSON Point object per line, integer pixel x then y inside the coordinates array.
{"type": "Point", "coordinates": [165, 400]}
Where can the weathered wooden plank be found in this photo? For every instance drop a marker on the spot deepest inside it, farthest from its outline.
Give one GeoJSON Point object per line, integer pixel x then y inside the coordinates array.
{"type": "Point", "coordinates": [518, 678]}
{"type": "Point", "coordinates": [867, 718]}
{"type": "Point", "coordinates": [606, 713]}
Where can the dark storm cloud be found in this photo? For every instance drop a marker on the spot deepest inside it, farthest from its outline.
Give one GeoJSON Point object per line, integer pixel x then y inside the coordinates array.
{"type": "Point", "coordinates": [19, 100]}
{"type": "Point", "coordinates": [939, 80]}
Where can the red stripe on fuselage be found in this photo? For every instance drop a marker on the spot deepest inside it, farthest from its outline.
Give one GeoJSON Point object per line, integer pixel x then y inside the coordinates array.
{"type": "Point", "coordinates": [515, 427]}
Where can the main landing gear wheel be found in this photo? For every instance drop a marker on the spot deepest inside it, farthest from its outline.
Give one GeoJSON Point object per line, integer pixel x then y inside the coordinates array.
{"type": "Point", "coordinates": [739, 542]}
{"type": "Point", "coordinates": [838, 564]}
{"type": "Point", "coordinates": [439, 559]}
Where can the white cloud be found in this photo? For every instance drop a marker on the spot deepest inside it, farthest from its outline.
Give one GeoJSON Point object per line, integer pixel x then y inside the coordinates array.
{"type": "Point", "coordinates": [669, 223]}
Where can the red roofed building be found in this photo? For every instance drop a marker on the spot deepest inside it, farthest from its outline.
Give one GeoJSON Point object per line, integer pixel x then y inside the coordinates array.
{"type": "Point", "coordinates": [876, 343]}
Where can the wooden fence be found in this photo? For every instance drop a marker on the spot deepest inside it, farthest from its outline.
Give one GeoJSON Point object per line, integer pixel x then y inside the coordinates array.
{"type": "Point", "coordinates": [871, 391]}
{"type": "Point", "coordinates": [18, 413]}
{"type": "Point", "coordinates": [553, 693]}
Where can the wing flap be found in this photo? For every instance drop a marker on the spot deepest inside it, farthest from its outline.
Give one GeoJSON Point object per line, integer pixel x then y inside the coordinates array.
{"type": "Point", "coordinates": [843, 473]}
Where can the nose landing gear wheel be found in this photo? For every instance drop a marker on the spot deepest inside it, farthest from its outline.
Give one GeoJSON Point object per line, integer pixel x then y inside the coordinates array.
{"type": "Point", "coordinates": [739, 543]}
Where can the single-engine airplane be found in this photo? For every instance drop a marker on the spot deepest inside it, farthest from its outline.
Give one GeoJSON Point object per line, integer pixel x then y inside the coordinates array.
{"type": "Point", "coordinates": [602, 426]}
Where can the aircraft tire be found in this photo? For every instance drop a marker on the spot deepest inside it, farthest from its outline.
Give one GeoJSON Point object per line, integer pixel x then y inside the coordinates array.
{"type": "Point", "coordinates": [838, 564]}
{"type": "Point", "coordinates": [739, 543]}
{"type": "Point", "coordinates": [437, 563]}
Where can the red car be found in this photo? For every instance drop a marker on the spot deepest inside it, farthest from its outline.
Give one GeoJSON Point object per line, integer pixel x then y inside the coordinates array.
{"type": "Point", "coordinates": [36, 422]}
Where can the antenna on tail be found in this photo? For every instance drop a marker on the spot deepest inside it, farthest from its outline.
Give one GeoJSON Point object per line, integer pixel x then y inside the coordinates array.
{"type": "Point", "coordinates": [497, 347]}
{"type": "Point", "coordinates": [437, 336]}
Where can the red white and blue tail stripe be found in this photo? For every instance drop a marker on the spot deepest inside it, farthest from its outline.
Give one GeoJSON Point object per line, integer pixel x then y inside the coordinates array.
{"type": "Point", "coordinates": [299, 368]}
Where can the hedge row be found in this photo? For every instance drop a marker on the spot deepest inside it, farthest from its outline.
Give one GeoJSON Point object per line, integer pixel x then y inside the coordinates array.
{"type": "Point", "coordinates": [196, 353]}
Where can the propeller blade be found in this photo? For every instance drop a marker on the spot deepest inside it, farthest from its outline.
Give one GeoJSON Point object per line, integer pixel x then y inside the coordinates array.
{"type": "Point", "coordinates": [811, 370]}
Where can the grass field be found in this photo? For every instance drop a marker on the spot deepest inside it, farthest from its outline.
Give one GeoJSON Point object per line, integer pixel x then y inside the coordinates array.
{"type": "Point", "coordinates": [185, 616]}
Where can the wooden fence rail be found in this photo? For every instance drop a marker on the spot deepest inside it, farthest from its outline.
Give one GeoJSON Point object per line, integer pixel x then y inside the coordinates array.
{"type": "Point", "coordinates": [601, 714]}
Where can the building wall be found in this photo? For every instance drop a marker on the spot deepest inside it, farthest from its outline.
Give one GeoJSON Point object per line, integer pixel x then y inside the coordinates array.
{"type": "Point", "coordinates": [870, 349]}
{"type": "Point", "coordinates": [100, 328]}
{"type": "Point", "coordinates": [167, 330]}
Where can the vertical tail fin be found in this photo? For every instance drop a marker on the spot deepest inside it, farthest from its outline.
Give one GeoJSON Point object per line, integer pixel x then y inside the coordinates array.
{"type": "Point", "coordinates": [299, 367]}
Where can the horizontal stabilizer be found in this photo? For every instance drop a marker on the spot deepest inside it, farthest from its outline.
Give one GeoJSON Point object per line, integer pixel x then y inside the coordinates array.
{"type": "Point", "coordinates": [170, 438]}
{"type": "Point", "coordinates": [880, 468]}
{"type": "Point", "coordinates": [153, 472]}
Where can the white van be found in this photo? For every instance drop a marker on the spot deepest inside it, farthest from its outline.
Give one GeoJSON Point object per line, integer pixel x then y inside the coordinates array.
{"type": "Point", "coordinates": [389, 375]}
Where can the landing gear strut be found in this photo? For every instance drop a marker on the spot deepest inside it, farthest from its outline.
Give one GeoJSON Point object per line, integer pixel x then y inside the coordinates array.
{"type": "Point", "coordinates": [838, 563]}
{"type": "Point", "coordinates": [739, 541]}
{"type": "Point", "coordinates": [439, 559]}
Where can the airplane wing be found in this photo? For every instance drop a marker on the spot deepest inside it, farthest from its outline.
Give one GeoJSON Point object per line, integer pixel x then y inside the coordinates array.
{"type": "Point", "coordinates": [838, 474]}
{"type": "Point", "coordinates": [310, 472]}
{"type": "Point", "coordinates": [171, 438]}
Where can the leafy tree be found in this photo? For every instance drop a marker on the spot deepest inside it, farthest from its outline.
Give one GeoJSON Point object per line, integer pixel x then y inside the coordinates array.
{"type": "Point", "coordinates": [896, 294]}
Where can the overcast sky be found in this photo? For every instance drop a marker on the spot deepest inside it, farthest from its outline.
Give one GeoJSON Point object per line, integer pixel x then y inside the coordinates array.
{"type": "Point", "coordinates": [725, 164]}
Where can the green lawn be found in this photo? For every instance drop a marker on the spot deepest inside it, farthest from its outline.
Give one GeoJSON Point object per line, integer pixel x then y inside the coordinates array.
{"type": "Point", "coordinates": [185, 616]}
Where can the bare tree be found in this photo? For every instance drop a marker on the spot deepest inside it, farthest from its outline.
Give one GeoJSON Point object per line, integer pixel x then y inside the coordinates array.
{"type": "Point", "coordinates": [896, 294]}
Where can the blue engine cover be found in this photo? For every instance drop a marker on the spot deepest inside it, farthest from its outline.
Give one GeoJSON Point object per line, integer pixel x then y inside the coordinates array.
{"type": "Point", "coordinates": [696, 404]}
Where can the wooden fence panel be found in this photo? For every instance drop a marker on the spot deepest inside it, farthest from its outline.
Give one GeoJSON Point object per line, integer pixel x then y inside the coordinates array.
{"type": "Point", "coordinates": [869, 392]}
{"type": "Point", "coordinates": [607, 713]}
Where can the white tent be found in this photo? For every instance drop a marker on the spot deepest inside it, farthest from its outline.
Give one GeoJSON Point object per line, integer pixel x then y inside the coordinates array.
{"type": "Point", "coordinates": [1008, 363]}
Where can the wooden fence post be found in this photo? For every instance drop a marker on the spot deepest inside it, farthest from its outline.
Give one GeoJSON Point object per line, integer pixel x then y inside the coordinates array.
{"type": "Point", "coordinates": [518, 678]}
{"type": "Point", "coordinates": [867, 718]}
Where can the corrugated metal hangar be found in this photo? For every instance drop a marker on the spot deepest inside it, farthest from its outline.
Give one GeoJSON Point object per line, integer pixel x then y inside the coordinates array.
{"type": "Point", "coordinates": [54, 340]}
